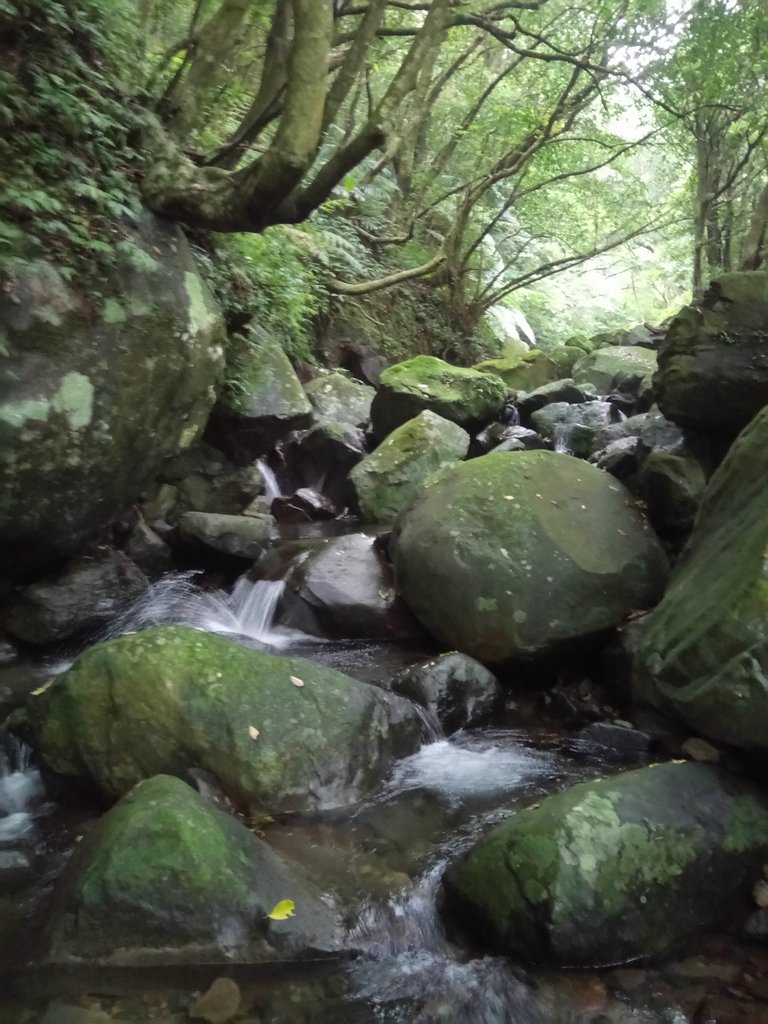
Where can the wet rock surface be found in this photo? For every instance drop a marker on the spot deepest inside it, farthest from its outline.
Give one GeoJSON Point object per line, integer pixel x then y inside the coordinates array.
{"type": "Point", "coordinates": [456, 690]}
{"type": "Point", "coordinates": [80, 598]}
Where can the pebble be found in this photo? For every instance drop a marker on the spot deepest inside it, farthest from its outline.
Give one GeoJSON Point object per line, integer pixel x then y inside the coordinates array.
{"type": "Point", "coordinates": [219, 1004]}
{"type": "Point", "coordinates": [700, 750]}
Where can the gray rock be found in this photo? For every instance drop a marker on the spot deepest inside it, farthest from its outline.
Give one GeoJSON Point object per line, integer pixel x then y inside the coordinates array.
{"type": "Point", "coordinates": [340, 399]}
{"type": "Point", "coordinates": [16, 870]}
{"type": "Point", "coordinates": [557, 391]}
{"type": "Point", "coordinates": [95, 394]}
{"type": "Point", "coordinates": [619, 458]}
{"type": "Point", "coordinates": [343, 589]}
{"type": "Point", "coordinates": [82, 597]}
{"type": "Point", "coordinates": [619, 742]}
{"type": "Point", "coordinates": [519, 439]}
{"type": "Point", "coordinates": [672, 484]}
{"type": "Point", "coordinates": [455, 689]}
{"type": "Point", "coordinates": [146, 550]}
{"type": "Point", "coordinates": [241, 536]}
{"type": "Point", "coordinates": [573, 429]}
{"type": "Point", "coordinates": [325, 456]}
{"type": "Point", "coordinates": [713, 363]}
{"type": "Point", "coordinates": [205, 480]}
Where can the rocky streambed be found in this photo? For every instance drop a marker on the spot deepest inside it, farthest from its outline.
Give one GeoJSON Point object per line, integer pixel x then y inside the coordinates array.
{"type": "Point", "coordinates": [497, 760]}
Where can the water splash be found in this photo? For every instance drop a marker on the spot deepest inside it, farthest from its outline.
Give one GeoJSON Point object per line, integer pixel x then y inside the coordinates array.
{"type": "Point", "coordinates": [248, 611]}
{"type": "Point", "coordinates": [468, 765]}
{"type": "Point", "coordinates": [21, 792]}
{"type": "Point", "coordinates": [272, 488]}
{"type": "Point", "coordinates": [561, 440]}
{"type": "Point", "coordinates": [406, 922]}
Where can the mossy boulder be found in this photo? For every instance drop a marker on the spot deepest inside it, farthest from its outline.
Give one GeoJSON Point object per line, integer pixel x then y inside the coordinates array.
{"type": "Point", "coordinates": [511, 554]}
{"type": "Point", "coordinates": [525, 372]}
{"type": "Point", "coordinates": [264, 399]}
{"type": "Point", "coordinates": [170, 698]}
{"type": "Point", "coordinates": [713, 362]}
{"type": "Point", "coordinates": [467, 397]}
{"type": "Point", "coordinates": [628, 369]}
{"type": "Point", "coordinates": [385, 480]}
{"type": "Point", "coordinates": [97, 390]}
{"type": "Point", "coordinates": [340, 398]}
{"type": "Point", "coordinates": [615, 870]}
{"type": "Point", "coordinates": [243, 537]}
{"type": "Point", "coordinates": [166, 876]}
{"type": "Point", "coordinates": [702, 654]}
{"type": "Point", "coordinates": [672, 484]}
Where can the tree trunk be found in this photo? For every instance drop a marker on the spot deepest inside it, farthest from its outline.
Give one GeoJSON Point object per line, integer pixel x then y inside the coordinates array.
{"type": "Point", "coordinates": [754, 250]}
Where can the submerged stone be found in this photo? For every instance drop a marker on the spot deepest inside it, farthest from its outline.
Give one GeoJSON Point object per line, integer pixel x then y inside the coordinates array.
{"type": "Point", "coordinates": [170, 699]}
{"type": "Point", "coordinates": [615, 870]}
{"type": "Point", "coordinates": [385, 480]}
{"type": "Point", "coordinates": [466, 397]}
{"type": "Point", "coordinates": [512, 554]}
{"type": "Point", "coordinates": [165, 876]}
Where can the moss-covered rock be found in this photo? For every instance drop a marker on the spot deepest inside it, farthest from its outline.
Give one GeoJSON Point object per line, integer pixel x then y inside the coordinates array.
{"type": "Point", "coordinates": [467, 397]}
{"type": "Point", "coordinates": [713, 362]}
{"type": "Point", "coordinates": [340, 398]}
{"type": "Point", "coordinates": [703, 653]}
{"type": "Point", "coordinates": [614, 870]}
{"type": "Point", "coordinates": [165, 876]}
{"type": "Point", "coordinates": [672, 484]}
{"type": "Point", "coordinates": [621, 368]}
{"type": "Point", "coordinates": [525, 372]}
{"type": "Point", "coordinates": [263, 401]}
{"type": "Point", "coordinates": [509, 555]}
{"type": "Point", "coordinates": [169, 699]}
{"type": "Point", "coordinates": [386, 480]}
{"type": "Point", "coordinates": [96, 392]}
{"type": "Point", "coordinates": [240, 536]}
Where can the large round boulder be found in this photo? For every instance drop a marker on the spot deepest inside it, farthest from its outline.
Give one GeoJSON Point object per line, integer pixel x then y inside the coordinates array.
{"type": "Point", "coordinates": [97, 389]}
{"type": "Point", "coordinates": [713, 363]}
{"type": "Point", "coordinates": [466, 397]}
{"type": "Point", "coordinates": [166, 876]}
{"type": "Point", "coordinates": [340, 398]}
{"type": "Point", "coordinates": [512, 554]}
{"type": "Point", "coordinates": [702, 654]}
{"type": "Point", "coordinates": [523, 372]}
{"type": "Point", "coordinates": [277, 733]}
{"type": "Point", "coordinates": [386, 479]}
{"type": "Point", "coordinates": [617, 869]}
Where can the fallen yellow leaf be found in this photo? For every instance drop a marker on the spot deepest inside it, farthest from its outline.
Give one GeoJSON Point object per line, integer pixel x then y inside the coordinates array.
{"type": "Point", "coordinates": [296, 681]}
{"type": "Point", "coordinates": [283, 910]}
{"type": "Point", "coordinates": [43, 688]}
{"type": "Point", "coordinates": [253, 732]}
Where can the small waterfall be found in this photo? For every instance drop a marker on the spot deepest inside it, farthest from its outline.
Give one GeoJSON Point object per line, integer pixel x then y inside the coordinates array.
{"type": "Point", "coordinates": [248, 611]}
{"type": "Point", "coordinates": [562, 438]}
{"type": "Point", "coordinates": [271, 486]}
{"type": "Point", "coordinates": [21, 788]}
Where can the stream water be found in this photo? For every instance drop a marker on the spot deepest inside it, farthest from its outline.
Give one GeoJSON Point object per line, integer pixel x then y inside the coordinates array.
{"type": "Point", "coordinates": [383, 860]}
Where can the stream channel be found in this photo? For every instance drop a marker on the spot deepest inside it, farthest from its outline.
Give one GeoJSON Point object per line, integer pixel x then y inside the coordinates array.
{"type": "Point", "coordinates": [382, 859]}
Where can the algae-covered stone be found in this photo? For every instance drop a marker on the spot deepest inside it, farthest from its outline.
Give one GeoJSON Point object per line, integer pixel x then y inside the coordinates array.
{"type": "Point", "coordinates": [509, 555]}
{"type": "Point", "coordinates": [703, 653]}
{"type": "Point", "coordinates": [466, 397]}
{"type": "Point", "coordinates": [385, 480]}
{"type": "Point", "coordinates": [166, 876]}
{"type": "Point", "coordinates": [170, 698]}
{"type": "Point", "coordinates": [94, 395]}
{"type": "Point", "coordinates": [713, 362]}
{"type": "Point", "coordinates": [526, 372]}
{"type": "Point", "coordinates": [614, 870]}
{"type": "Point", "coordinates": [627, 368]}
{"type": "Point", "coordinates": [565, 390]}
{"type": "Point", "coordinates": [340, 398]}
